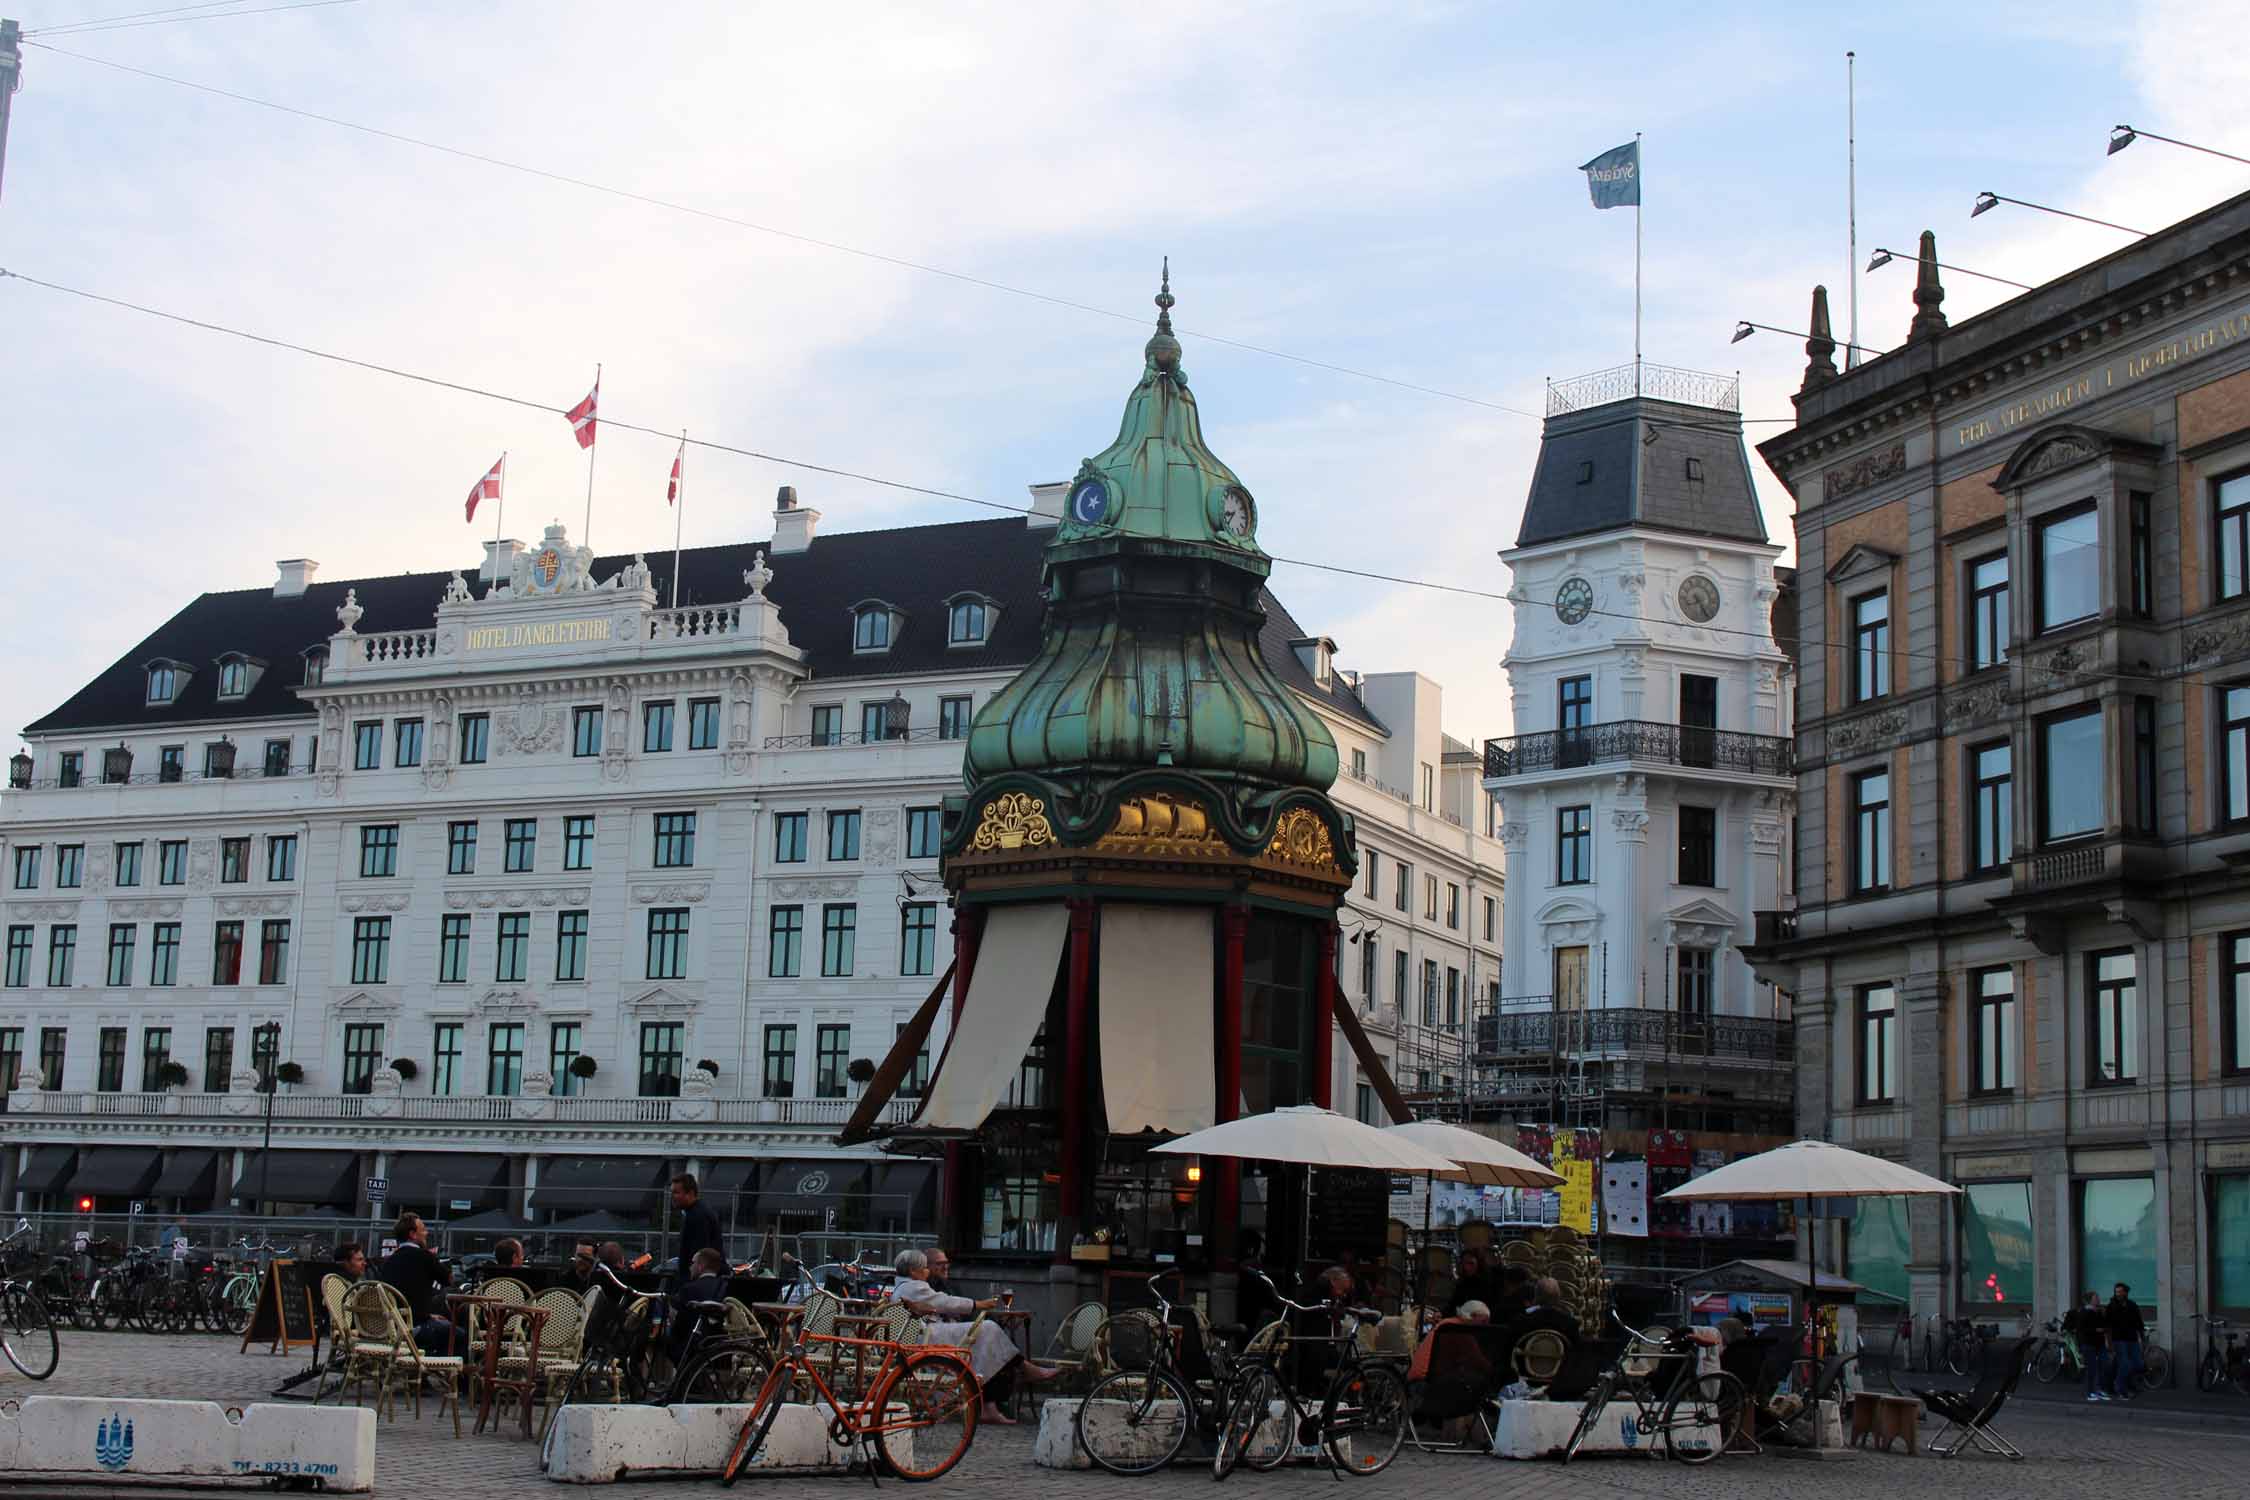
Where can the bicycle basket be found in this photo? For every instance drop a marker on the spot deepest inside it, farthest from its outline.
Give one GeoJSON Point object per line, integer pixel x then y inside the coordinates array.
{"type": "Point", "coordinates": [1132, 1338]}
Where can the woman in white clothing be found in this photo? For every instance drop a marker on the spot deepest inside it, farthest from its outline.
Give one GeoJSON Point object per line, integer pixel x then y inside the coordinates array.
{"type": "Point", "coordinates": [993, 1356]}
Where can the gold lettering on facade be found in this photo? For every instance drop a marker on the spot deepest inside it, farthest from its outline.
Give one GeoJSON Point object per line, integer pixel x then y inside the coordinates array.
{"type": "Point", "coordinates": [2124, 370]}
{"type": "Point", "coordinates": [543, 633]}
{"type": "Point", "coordinates": [1012, 820]}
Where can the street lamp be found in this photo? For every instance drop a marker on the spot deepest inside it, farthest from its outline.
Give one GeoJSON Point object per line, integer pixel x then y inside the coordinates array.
{"type": "Point", "coordinates": [2121, 136]}
{"type": "Point", "coordinates": [1882, 258]}
{"type": "Point", "coordinates": [1994, 200]}
{"type": "Point", "coordinates": [1744, 328]}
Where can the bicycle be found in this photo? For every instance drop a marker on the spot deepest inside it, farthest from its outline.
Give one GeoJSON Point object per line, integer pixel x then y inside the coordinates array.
{"type": "Point", "coordinates": [1363, 1416]}
{"type": "Point", "coordinates": [27, 1332]}
{"type": "Point", "coordinates": [1686, 1412]}
{"type": "Point", "coordinates": [2221, 1364]}
{"type": "Point", "coordinates": [238, 1294]}
{"type": "Point", "coordinates": [927, 1396]}
{"type": "Point", "coordinates": [1155, 1401]}
{"type": "Point", "coordinates": [1961, 1346]}
{"type": "Point", "coordinates": [2058, 1352]}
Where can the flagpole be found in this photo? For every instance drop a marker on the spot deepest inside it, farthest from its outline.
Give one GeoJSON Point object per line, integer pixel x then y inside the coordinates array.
{"type": "Point", "coordinates": [1640, 191]}
{"type": "Point", "coordinates": [1851, 200]}
{"type": "Point", "coordinates": [679, 515]}
{"type": "Point", "coordinates": [500, 513]}
{"type": "Point", "coordinates": [586, 539]}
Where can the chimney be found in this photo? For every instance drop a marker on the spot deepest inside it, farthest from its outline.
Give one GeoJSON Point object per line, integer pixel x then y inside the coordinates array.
{"type": "Point", "coordinates": [1047, 504]}
{"type": "Point", "coordinates": [296, 575]}
{"type": "Point", "coordinates": [499, 561]}
{"type": "Point", "coordinates": [793, 524]}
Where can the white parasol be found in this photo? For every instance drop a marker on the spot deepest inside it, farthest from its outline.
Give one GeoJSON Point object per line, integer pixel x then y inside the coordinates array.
{"type": "Point", "coordinates": [1310, 1136]}
{"type": "Point", "coordinates": [1478, 1160]}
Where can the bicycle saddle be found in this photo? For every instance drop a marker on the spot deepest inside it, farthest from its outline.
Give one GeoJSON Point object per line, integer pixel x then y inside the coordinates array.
{"type": "Point", "coordinates": [1365, 1314]}
{"type": "Point", "coordinates": [709, 1309]}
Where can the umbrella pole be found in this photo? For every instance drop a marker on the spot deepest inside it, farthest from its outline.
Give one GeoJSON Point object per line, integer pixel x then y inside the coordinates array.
{"type": "Point", "coordinates": [1422, 1263]}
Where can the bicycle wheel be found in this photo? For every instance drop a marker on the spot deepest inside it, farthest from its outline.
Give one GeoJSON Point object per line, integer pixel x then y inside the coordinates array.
{"type": "Point", "coordinates": [1249, 1414]}
{"type": "Point", "coordinates": [2209, 1373]}
{"type": "Point", "coordinates": [752, 1437]}
{"type": "Point", "coordinates": [941, 1400]}
{"type": "Point", "coordinates": [1139, 1421]}
{"type": "Point", "coordinates": [1596, 1401]}
{"type": "Point", "coordinates": [727, 1373]}
{"type": "Point", "coordinates": [1363, 1421]}
{"type": "Point", "coordinates": [27, 1334]}
{"type": "Point", "coordinates": [2047, 1364]}
{"type": "Point", "coordinates": [241, 1297]}
{"type": "Point", "coordinates": [2240, 1371]}
{"type": "Point", "coordinates": [2156, 1367]}
{"type": "Point", "coordinates": [1706, 1402]}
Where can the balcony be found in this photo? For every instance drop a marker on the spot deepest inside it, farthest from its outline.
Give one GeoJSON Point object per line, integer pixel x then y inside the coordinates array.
{"type": "Point", "coordinates": [1774, 927]}
{"type": "Point", "coordinates": [1644, 741]}
{"type": "Point", "coordinates": [240, 1117]}
{"type": "Point", "coordinates": [1535, 1029]}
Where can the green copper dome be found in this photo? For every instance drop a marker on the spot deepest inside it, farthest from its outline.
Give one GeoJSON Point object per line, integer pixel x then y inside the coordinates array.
{"type": "Point", "coordinates": [1150, 655]}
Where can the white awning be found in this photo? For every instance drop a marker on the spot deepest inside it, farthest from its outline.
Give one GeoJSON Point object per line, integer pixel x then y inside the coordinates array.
{"type": "Point", "coordinates": [1157, 984]}
{"type": "Point", "coordinates": [1008, 993]}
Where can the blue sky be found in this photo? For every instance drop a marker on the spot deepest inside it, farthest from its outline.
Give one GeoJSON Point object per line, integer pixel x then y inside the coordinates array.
{"type": "Point", "coordinates": [1388, 187]}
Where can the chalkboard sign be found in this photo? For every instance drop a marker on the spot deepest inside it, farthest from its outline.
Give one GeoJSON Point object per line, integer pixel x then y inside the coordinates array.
{"type": "Point", "coordinates": [284, 1316]}
{"type": "Point", "coordinates": [1351, 1210]}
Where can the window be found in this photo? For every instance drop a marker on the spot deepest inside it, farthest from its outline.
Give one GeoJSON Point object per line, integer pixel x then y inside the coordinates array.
{"type": "Point", "coordinates": [171, 763]}
{"type": "Point", "coordinates": [273, 951]}
{"type": "Point", "coordinates": [2070, 774]}
{"type": "Point", "coordinates": [171, 862]}
{"type": "Point", "coordinates": [832, 1047]}
{"type": "Point", "coordinates": [2234, 1004]}
{"type": "Point", "coordinates": [1429, 992]}
{"type": "Point", "coordinates": [562, 1051]}
{"type": "Point", "coordinates": [1359, 764]}
{"type": "Point", "coordinates": [1996, 1238]}
{"type": "Point", "coordinates": [2231, 508]}
{"type": "Point", "coordinates": [785, 942]}
{"type": "Point", "coordinates": [1364, 1097]}
{"type": "Point", "coordinates": [1428, 785]}
{"type": "Point", "coordinates": [1374, 873]}
{"type": "Point", "coordinates": [1699, 846]}
{"type": "Point", "coordinates": [2113, 1018]}
{"type": "Point", "coordinates": [164, 684]}
{"type": "Point", "coordinates": [965, 623]}
{"type": "Point", "coordinates": [281, 858]}
{"type": "Point", "coordinates": [789, 837]}
{"type": "Point", "coordinates": [703, 724]}
{"type": "Point", "coordinates": [445, 1058]}
{"type": "Point", "coordinates": [53, 1042]}
{"type": "Point", "coordinates": [371, 950]}
{"type": "Point", "coordinates": [667, 942]}
{"type": "Point", "coordinates": [128, 864]}
{"type": "Point", "coordinates": [578, 841]}
{"type": "Point", "coordinates": [1694, 983]}
{"type": "Point", "coordinates": [2234, 743]}
{"type": "Point", "coordinates": [923, 828]}
{"type": "Point", "coordinates": [407, 743]}
{"type": "Point", "coordinates": [521, 838]}
{"type": "Point", "coordinates": [2140, 592]}
{"type": "Point", "coordinates": [218, 1059]}
{"type": "Point", "coordinates": [661, 1042]}
{"type": "Point", "coordinates": [164, 953]}
{"type": "Point", "coordinates": [2144, 765]}
{"type": "Point", "coordinates": [917, 1080]}
{"type": "Point", "coordinates": [265, 1047]}
{"type": "Point", "coordinates": [1574, 718]}
{"type": "Point", "coordinates": [156, 1051]}
{"type": "Point", "coordinates": [1574, 845]}
{"type": "Point", "coordinates": [234, 677]}
{"type": "Point", "coordinates": [2118, 1221]}
{"type": "Point", "coordinates": [1490, 907]}
{"type": "Point", "coordinates": [1991, 805]}
{"type": "Point", "coordinates": [475, 738]}
{"type": "Point", "coordinates": [675, 840]}
{"type": "Point", "coordinates": [503, 1059]}
{"type": "Point", "coordinates": [1988, 611]}
{"type": "Point", "coordinates": [1402, 881]}
{"type": "Point", "coordinates": [871, 629]}
{"type": "Point", "coordinates": [19, 956]}
{"type": "Point", "coordinates": [1871, 646]}
{"type": "Point", "coordinates": [1878, 1044]}
{"type": "Point", "coordinates": [277, 757]}
{"type": "Point", "coordinates": [316, 668]}
{"type": "Point", "coordinates": [953, 716]}
{"type": "Point", "coordinates": [62, 952]}
{"type": "Point", "coordinates": [363, 1054]}
{"type": "Point", "coordinates": [234, 860]}
{"type": "Point", "coordinates": [1429, 898]}
{"type": "Point", "coordinates": [511, 951]}
{"type": "Point", "coordinates": [121, 935]}
{"type": "Point", "coordinates": [839, 931]}
{"type": "Point", "coordinates": [461, 848]}
{"type": "Point", "coordinates": [828, 724]}
{"type": "Point", "coordinates": [780, 1062]}
{"type": "Point", "coordinates": [570, 945]}
{"type": "Point", "coordinates": [453, 948]}
{"type": "Point", "coordinates": [110, 1060]}
{"type": "Point", "coordinates": [367, 745]}
{"type": "Point", "coordinates": [1366, 972]}
{"type": "Point", "coordinates": [843, 835]}
{"type": "Point", "coordinates": [586, 731]}
{"type": "Point", "coordinates": [874, 723]}
{"type": "Point", "coordinates": [1992, 1030]}
{"type": "Point", "coordinates": [656, 727]}
{"type": "Point", "coordinates": [378, 849]}
{"type": "Point", "coordinates": [917, 938]}
{"type": "Point", "coordinates": [1871, 832]}
{"type": "Point", "coordinates": [1452, 996]}
{"type": "Point", "coordinates": [72, 771]}
{"type": "Point", "coordinates": [2067, 550]}
{"type": "Point", "coordinates": [1452, 905]}
{"type": "Point", "coordinates": [27, 867]}
{"type": "Point", "coordinates": [1398, 981]}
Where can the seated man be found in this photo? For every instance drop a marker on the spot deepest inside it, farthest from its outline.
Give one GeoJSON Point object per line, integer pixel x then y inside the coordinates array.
{"type": "Point", "coordinates": [351, 1261]}
{"type": "Point", "coordinates": [707, 1282]}
{"type": "Point", "coordinates": [507, 1256]}
{"type": "Point", "coordinates": [1473, 1311]}
{"type": "Point", "coordinates": [993, 1358]}
{"type": "Point", "coordinates": [1547, 1312]}
{"type": "Point", "coordinates": [420, 1278]}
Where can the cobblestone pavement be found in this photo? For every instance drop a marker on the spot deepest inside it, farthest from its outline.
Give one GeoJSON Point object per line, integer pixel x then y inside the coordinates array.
{"type": "Point", "coordinates": [2098, 1451]}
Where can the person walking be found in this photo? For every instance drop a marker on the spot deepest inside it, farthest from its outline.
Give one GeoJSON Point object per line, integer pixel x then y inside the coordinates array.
{"type": "Point", "coordinates": [2123, 1320]}
{"type": "Point", "coordinates": [699, 1226]}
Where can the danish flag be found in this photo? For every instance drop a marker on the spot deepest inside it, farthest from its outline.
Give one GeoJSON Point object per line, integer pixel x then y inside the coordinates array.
{"type": "Point", "coordinates": [487, 488]}
{"type": "Point", "coordinates": [582, 415]}
{"type": "Point", "coordinates": [672, 490]}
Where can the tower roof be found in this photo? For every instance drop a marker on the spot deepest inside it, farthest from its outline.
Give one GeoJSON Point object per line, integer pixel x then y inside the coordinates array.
{"type": "Point", "coordinates": [1666, 455]}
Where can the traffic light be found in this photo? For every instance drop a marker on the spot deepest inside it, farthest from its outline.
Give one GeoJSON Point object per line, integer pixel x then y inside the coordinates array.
{"type": "Point", "coordinates": [85, 1205]}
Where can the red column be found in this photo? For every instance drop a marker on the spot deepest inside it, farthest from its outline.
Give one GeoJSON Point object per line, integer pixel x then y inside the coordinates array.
{"type": "Point", "coordinates": [1324, 1022]}
{"type": "Point", "coordinates": [1234, 926]}
{"type": "Point", "coordinates": [1077, 1041]}
{"type": "Point", "coordinates": [953, 1183]}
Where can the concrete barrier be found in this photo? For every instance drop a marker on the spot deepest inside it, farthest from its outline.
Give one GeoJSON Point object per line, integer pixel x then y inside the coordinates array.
{"type": "Point", "coordinates": [87, 1435]}
{"type": "Point", "coordinates": [600, 1444]}
{"type": "Point", "coordinates": [1056, 1445]}
{"type": "Point", "coordinates": [1540, 1429]}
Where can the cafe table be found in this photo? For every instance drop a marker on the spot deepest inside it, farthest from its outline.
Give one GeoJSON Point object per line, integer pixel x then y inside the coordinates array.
{"type": "Point", "coordinates": [495, 1315]}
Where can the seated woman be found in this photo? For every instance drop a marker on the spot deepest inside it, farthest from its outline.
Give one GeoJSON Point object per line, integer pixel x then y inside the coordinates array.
{"type": "Point", "coordinates": [993, 1356]}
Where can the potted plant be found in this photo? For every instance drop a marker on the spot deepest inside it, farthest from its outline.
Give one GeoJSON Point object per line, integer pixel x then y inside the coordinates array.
{"type": "Point", "coordinates": [860, 1070]}
{"type": "Point", "coordinates": [583, 1066]}
{"type": "Point", "coordinates": [705, 1064]}
{"type": "Point", "coordinates": [290, 1073]}
{"type": "Point", "coordinates": [405, 1067]}
{"type": "Point", "coordinates": [171, 1075]}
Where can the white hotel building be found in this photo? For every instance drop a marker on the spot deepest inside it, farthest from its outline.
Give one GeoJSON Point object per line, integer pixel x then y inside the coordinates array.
{"type": "Point", "coordinates": [508, 862]}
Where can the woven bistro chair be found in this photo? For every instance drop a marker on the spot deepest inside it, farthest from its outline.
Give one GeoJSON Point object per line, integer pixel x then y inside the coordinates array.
{"type": "Point", "coordinates": [1538, 1356]}
{"type": "Point", "coordinates": [1070, 1348]}
{"type": "Point", "coordinates": [335, 1295]}
{"type": "Point", "coordinates": [386, 1330]}
{"type": "Point", "coordinates": [505, 1289]}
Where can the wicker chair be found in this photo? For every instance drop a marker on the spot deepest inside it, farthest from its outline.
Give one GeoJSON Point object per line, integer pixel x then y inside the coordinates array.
{"type": "Point", "coordinates": [1538, 1356]}
{"type": "Point", "coordinates": [335, 1295]}
{"type": "Point", "coordinates": [505, 1289]}
{"type": "Point", "coordinates": [385, 1333]}
{"type": "Point", "coordinates": [1070, 1348]}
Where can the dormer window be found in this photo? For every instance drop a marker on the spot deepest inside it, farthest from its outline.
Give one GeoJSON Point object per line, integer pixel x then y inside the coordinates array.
{"type": "Point", "coordinates": [874, 624]}
{"type": "Point", "coordinates": [968, 619]}
{"type": "Point", "coordinates": [237, 674]}
{"type": "Point", "coordinates": [165, 680]}
{"type": "Point", "coordinates": [316, 666]}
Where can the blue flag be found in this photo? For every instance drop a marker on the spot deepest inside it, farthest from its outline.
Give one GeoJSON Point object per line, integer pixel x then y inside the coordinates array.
{"type": "Point", "coordinates": [1614, 177]}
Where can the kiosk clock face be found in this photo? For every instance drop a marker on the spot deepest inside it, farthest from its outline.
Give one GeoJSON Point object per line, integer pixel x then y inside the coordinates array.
{"type": "Point", "coordinates": [1574, 601]}
{"type": "Point", "coordinates": [1699, 598]}
{"type": "Point", "coordinates": [1089, 503]}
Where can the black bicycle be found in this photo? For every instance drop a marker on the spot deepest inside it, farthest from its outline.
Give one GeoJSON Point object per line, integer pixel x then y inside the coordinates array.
{"type": "Point", "coordinates": [1363, 1415]}
{"type": "Point", "coordinates": [27, 1330]}
{"type": "Point", "coordinates": [2225, 1362]}
{"type": "Point", "coordinates": [1695, 1414]}
{"type": "Point", "coordinates": [1168, 1379]}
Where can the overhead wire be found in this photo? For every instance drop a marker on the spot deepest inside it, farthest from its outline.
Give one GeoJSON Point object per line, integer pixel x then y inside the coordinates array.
{"type": "Point", "coordinates": [673, 434]}
{"type": "Point", "coordinates": [166, 18]}
{"type": "Point", "coordinates": [61, 27]}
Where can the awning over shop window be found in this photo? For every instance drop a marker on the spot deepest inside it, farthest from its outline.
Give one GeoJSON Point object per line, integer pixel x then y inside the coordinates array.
{"type": "Point", "coordinates": [434, 1180]}
{"type": "Point", "coordinates": [48, 1169]}
{"type": "Point", "coordinates": [721, 1181]}
{"type": "Point", "coordinates": [189, 1174]}
{"type": "Point", "coordinates": [797, 1191]}
{"type": "Point", "coordinates": [1155, 1002]}
{"type": "Point", "coordinates": [115, 1172]}
{"type": "Point", "coordinates": [319, 1177]}
{"type": "Point", "coordinates": [905, 1197]}
{"type": "Point", "coordinates": [1007, 1000]}
{"type": "Point", "coordinates": [624, 1185]}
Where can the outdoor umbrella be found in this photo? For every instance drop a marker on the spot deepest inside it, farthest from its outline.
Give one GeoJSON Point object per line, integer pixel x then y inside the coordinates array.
{"type": "Point", "coordinates": [1478, 1160]}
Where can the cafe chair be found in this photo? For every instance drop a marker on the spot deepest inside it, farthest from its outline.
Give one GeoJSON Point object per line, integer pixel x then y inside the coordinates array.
{"type": "Point", "coordinates": [385, 1326]}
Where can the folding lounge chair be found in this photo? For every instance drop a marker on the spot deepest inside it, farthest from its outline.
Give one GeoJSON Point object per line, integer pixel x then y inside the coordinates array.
{"type": "Point", "coordinates": [1463, 1381]}
{"type": "Point", "coordinates": [1972, 1414]}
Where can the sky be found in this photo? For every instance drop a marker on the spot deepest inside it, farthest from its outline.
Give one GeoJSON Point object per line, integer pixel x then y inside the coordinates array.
{"type": "Point", "coordinates": [1390, 188]}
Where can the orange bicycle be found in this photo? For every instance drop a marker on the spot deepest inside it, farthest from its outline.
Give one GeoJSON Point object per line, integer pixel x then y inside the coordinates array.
{"type": "Point", "coordinates": [917, 1418]}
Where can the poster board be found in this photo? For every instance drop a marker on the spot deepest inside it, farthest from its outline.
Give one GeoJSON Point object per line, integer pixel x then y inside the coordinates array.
{"type": "Point", "coordinates": [283, 1317]}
